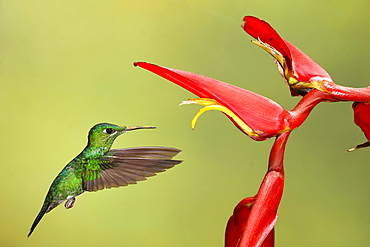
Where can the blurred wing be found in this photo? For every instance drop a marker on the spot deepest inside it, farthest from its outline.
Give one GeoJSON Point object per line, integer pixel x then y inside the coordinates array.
{"type": "Point", "coordinates": [122, 167]}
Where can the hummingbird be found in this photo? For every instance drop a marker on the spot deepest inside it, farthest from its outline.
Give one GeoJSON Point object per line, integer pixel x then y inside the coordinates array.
{"type": "Point", "coordinates": [98, 167]}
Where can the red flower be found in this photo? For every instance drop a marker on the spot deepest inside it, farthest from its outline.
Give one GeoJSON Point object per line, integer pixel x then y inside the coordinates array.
{"type": "Point", "coordinates": [300, 72]}
{"type": "Point", "coordinates": [260, 118]}
{"type": "Point", "coordinates": [257, 116]}
{"type": "Point", "coordinates": [362, 119]}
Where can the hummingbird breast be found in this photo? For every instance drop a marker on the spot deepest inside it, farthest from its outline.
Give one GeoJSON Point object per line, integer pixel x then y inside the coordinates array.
{"type": "Point", "coordinates": [66, 185]}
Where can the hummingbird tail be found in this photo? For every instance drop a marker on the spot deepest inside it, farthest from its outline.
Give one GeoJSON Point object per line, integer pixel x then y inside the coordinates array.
{"type": "Point", "coordinates": [45, 208]}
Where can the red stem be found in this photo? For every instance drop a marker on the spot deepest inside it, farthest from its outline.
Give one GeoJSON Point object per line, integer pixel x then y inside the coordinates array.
{"type": "Point", "coordinates": [343, 93]}
{"type": "Point", "coordinates": [276, 159]}
{"type": "Point", "coordinates": [299, 114]}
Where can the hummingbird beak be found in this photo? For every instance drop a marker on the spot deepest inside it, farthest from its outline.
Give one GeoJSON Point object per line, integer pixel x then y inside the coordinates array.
{"type": "Point", "coordinates": [129, 128]}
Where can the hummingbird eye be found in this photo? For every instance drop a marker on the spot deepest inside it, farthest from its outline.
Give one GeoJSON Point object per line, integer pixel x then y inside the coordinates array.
{"type": "Point", "coordinates": [109, 131]}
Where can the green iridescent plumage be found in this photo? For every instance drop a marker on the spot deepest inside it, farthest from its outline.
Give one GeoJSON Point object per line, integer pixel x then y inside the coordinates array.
{"type": "Point", "coordinates": [98, 167]}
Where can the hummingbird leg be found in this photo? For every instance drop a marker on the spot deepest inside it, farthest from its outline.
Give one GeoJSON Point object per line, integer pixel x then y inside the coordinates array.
{"type": "Point", "coordinates": [70, 202]}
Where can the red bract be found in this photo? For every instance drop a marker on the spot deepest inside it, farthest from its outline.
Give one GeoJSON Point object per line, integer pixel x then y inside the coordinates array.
{"type": "Point", "coordinates": [257, 116]}
{"type": "Point", "coordinates": [362, 119]}
{"type": "Point", "coordinates": [263, 215]}
{"type": "Point", "coordinates": [295, 66]}
{"type": "Point", "coordinates": [294, 62]}
{"type": "Point", "coordinates": [238, 221]}
{"type": "Point", "coordinates": [237, 224]}
{"type": "Point", "coordinates": [300, 72]}
{"type": "Point", "coordinates": [264, 117]}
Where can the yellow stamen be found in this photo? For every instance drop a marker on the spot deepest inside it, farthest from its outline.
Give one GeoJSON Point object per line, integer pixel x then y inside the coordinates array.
{"type": "Point", "coordinates": [275, 53]}
{"type": "Point", "coordinates": [278, 56]}
{"type": "Point", "coordinates": [211, 104]}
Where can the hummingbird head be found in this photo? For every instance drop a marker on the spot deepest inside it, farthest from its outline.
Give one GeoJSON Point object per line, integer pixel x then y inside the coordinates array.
{"type": "Point", "coordinates": [102, 135]}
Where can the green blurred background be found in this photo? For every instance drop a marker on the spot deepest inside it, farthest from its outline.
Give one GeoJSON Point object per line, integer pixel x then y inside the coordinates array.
{"type": "Point", "coordinates": [67, 65]}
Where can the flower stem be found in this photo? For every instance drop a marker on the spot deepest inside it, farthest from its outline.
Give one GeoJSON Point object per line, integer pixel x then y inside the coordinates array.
{"type": "Point", "coordinates": [276, 159]}
{"type": "Point", "coordinates": [299, 114]}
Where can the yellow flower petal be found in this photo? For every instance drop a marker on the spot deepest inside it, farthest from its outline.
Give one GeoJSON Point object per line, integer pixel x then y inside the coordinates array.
{"type": "Point", "coordinates": [211, 104]}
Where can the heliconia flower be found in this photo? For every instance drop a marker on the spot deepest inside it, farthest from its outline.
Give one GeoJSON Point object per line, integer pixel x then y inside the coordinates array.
{"type": "Point", "coordinates": [300, 72]}
{"type": "Point", "coordinates": [257, 116]}
{"type": "Point", "coordinates": [362, 119]}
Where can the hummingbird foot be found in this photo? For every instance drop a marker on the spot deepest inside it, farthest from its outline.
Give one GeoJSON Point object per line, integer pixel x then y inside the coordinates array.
{"type": "Point", "coordinates": [70, 202]}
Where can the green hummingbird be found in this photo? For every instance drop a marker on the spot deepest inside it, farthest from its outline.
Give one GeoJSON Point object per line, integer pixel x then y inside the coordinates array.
{"type": "Point", "coordinates": [98, 167]}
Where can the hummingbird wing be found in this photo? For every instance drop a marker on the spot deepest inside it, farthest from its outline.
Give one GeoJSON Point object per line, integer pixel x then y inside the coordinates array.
{"type": "Point", "coordinates": [121, 167]}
